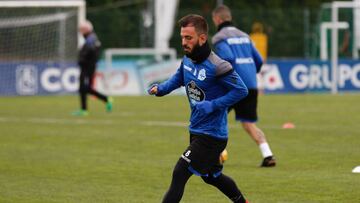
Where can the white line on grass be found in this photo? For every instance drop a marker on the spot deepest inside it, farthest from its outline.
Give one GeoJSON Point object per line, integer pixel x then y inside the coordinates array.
{"type": "Point", "coordinates": [55, 121]}
{"type": "Point", "coordinates": [155, 123]}
{"type": "Point", "coordinates": [85, 121]}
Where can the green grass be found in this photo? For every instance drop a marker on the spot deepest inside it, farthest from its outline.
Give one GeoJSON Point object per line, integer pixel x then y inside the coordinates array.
{"type": "Point", "coordinates": [47, 155]}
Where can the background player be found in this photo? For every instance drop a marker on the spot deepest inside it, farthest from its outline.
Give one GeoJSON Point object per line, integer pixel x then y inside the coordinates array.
{"type": "Point", "coordinates": [235, 46]}
{"type": "Point", "coordinates": [88, 57]}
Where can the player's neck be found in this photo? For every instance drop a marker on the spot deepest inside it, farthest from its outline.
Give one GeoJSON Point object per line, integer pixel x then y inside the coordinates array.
{"type": "Point", "coordinates": [224, 24]}
{"type": "Point", "coordinates": [200, 53]}
{"type": "Point", "coordinates": [87, 34]}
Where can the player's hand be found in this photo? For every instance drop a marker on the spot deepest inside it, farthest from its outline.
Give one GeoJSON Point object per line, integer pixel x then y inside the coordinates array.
{"type": "Point", "coordinates": [205, 107]}
{"type": "Point", "coordinates": [153, 89]}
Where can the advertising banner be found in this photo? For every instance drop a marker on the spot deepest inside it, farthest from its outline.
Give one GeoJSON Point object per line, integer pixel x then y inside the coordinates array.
{"type": "Point", "coordinates": [38, 78]}
{"type": "Point", "coordinates": [121, 79]}
{"type": "Point", "coordinates": [298, 76]}
{"type": "Point", "coordinates": [133, 78]}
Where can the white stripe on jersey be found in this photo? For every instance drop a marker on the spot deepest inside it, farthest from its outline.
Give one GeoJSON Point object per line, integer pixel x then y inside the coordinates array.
{"type": "Point", "coordinates": [187, 68]}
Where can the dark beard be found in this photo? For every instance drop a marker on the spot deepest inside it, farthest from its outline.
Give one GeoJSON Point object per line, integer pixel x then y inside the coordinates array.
{"type": "Point", "coordinates": [194, 50]}
{"type": "Point", "coordinates": [199, 53]}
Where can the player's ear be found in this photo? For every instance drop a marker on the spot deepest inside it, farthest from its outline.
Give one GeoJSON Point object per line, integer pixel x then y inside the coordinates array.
{"type": "Point", "coordinates": [202, 39]}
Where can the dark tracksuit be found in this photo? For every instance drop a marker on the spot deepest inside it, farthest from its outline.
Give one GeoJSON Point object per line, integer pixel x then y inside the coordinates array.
{"type": "Point", "coordinates": [88, 57]}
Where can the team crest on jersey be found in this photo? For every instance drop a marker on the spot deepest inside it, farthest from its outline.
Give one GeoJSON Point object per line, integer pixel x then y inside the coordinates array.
{"type": "Point", "coordinates": [202, 75]}
{"type": "Point", "coordinates": [194, 93]}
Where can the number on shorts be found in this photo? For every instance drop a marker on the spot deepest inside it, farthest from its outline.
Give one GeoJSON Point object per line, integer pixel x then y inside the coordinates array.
{"type": "Point", "coordinates": [187, 153]}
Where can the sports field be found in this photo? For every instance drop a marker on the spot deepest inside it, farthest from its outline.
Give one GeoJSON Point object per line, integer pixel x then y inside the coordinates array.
{"type": "Point", "coordinates": [47, 155]}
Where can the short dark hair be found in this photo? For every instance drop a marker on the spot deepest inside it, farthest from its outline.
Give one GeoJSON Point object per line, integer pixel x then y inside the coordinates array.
{"type": "Point", "coordinates": [223, 12]}
{"type": "Point", "coordinates": [199, 22]}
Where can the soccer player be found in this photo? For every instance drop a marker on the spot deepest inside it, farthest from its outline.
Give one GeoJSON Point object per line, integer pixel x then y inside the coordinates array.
{"type": "Point", "coordinates": [211, 86]}
{"type": "Point", "coordinates": [88, 57]}
{"type": "Point", "coordinates": [235, 46]}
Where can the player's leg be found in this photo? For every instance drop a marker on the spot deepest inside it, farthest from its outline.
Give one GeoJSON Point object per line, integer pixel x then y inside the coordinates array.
{"type": "Point", "coordinates": [102, 97]}
{"type": "Point", "coordinates": [83, 91]}
{"type": "Point", "coordinates": [197, 159]}
{"type": "Point", "coordinates": [215, 177]}
{"type": "Point", "coordinates": [227, 186]}
{"type": "Point", "coordinates": [92, 91]}
{"type": "Point", "coordinates": [255, 133]}
{"type": "Point", "coordinates": [259, 137]}
{"type": "Point", "coordinates": [180, 176]}
{"type": "Point", "coordinates": [97, 94]}
{"type": "Point", "coordinates": [83, 98]}
{"type": "Point", "coordinates": [246, 113]}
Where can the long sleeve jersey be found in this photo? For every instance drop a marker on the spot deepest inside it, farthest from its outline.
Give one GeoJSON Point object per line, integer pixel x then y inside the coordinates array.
{"type": "Point", "coordinates": [235, 46]}
{"type": "Point", "coordinates": [89, 53]}
{"type": "Point", "coordinates": [211, 80]}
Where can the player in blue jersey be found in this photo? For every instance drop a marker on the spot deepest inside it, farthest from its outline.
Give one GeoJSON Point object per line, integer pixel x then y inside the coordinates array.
{"type": "Point", "coordinates": [211, 86]}
{"type": "Point", "coordinates": [235, 46]}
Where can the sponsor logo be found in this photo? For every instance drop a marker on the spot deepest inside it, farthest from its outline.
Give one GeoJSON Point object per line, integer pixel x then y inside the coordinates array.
{"type": "Point", "coordinates": [244, 60]}
{"type": "Point", "coordinates": [53, 80]}
{"type": "Point", "coordinates": [319, 76]}
{"type": "Point", "coordinates": [312, 77]}
{"type": "Point", "coordinates": [26, 80]}
{"type": "Point", "coordinates": [195, 94]}
{"type": "Point", "coordinates": [271, 77]}
{"type": "Point", "coordinates": [238, 40]}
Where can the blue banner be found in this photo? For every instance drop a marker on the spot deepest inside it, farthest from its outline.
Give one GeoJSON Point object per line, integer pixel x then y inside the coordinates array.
{"type": "Point", "coordinates": [277, 76]}
{"type": "Point", "coordinates": [286, 76]}
{"type": "Point", "coordinates": [38, 78]}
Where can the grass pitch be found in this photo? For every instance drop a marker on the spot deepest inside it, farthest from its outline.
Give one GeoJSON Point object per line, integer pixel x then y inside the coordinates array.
{"type": "Point", "coordinates": [47, 155]}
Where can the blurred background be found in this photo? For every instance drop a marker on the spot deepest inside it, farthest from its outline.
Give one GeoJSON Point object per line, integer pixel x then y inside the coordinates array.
{"type": "Point", "coordinates": [311, 46]}
{"type": "Point", "coordinates": [292, 26]}
{"type": "Point", "coordinates": [311, 80]}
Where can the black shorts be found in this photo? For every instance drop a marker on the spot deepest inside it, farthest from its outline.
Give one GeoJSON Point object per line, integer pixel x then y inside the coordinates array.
{"type": "Point", "coordinates": [203, 155]}
{"type": "Point", "coordinates": [246, 109]}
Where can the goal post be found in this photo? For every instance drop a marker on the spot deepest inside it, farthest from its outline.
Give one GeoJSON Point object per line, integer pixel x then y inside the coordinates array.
{"type": "Point", "coordinates": [39, 43]}
{"type": "Point", "coordinates": [335, 6]}
{"type": "Point", "coordinates": [79, 4]}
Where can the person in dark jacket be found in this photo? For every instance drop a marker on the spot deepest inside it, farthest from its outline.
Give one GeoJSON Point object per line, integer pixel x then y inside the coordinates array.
{"type": "Point", "coordinates": [236, 47]}
{"type": "Point", "coordinates": [88, 57]}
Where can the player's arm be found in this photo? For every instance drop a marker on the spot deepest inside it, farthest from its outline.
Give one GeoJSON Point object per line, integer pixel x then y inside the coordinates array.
{"type": "Point", "coordinates": [233, 83]}
{"type": "Point", "coordinates": [237, 89]}
{"type": "Point", "coordinates": [223, 50]}
{"type": "Point", "coordinates": [257, 58]}
{"type": "Point", "coordinates": [176, 81]}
